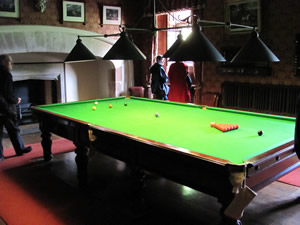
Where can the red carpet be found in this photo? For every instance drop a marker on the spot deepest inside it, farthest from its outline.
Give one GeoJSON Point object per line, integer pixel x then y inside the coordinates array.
{"type": "Point", "coordinates": [11, 160]}
{"type": "Point", "coordinates": [292, 178]}
{"type": "Point", "coordinates": [19, 203]}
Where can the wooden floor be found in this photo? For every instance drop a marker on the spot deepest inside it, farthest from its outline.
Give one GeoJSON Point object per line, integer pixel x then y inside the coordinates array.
{"type": "Point", "coordinates": [166, 202]}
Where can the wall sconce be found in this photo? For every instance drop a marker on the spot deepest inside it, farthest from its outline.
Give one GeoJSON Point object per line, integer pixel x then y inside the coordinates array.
{"type": "Point", "coordinates": [41, 5]}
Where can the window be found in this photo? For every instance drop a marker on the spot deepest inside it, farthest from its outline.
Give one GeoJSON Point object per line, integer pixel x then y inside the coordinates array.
{"type": "Point", "coordinates": [175, 21]}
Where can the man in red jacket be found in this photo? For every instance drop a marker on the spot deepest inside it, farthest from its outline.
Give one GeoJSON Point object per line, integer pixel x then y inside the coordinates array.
{"type": "Point", "coordinates": [179, 89]}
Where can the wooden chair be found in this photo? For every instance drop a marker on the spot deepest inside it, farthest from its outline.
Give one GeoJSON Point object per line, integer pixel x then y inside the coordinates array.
{"type": "Point", "coordinates": [210, 99]}
{"type": "Point", "coordinates": [137, 91]}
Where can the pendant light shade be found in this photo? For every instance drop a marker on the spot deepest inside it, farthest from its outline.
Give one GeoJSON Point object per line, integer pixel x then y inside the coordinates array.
{"type": "Point", "coordinates": [196, 48]}
{"type": "Point", "coordinates": [124, 49]}
{"type": "Point", "coordinates": [254, 51]}
{"type": "Point", "coordinates": [173, 48]}
{"type": "Point", "coordinates": [80, 53]}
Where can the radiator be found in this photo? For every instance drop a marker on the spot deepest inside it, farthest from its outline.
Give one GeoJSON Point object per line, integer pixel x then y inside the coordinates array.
{"type": "Point", "coordinates": [275, 99]}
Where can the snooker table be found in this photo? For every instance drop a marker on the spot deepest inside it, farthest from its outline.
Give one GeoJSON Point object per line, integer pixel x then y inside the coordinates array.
{"type": "Point", "coordinates": [178, 143]}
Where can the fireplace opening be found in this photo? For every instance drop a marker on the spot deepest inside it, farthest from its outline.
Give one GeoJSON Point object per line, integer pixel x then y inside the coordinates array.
{"type": "Point", "coordinates": [34, 92]}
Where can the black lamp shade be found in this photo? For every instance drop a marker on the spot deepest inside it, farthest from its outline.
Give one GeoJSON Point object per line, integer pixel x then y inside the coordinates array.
{"type": "Point", "coordinates": [197, 48]}
{"type": "Point", "coordinates": [124, 49]}
{"type": "Point", "coordinates": [80, 53]}
{"type": "Point", "coordinates": [173, 48]}
{"type": "Point", "coordinates": [254, 51]}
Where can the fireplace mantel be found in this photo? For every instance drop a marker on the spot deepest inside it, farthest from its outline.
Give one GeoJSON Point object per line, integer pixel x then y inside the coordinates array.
{"type": "Point", "coordinates": [36, 77]}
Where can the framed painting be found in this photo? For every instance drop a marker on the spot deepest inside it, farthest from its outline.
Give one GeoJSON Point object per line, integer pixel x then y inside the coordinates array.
{"type": "Point", "coordinates": [10, 8]}
{"type": "Point", "coordinates": [73, 11]}
{"type": "Point", "coordinates": [111, 15]}
{"type": "Point", "coordinates": [243, 12]}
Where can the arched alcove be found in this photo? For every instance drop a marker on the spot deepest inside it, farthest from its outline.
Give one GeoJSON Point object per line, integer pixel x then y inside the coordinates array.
{"type": "Point", "coordinates": [39, 52]}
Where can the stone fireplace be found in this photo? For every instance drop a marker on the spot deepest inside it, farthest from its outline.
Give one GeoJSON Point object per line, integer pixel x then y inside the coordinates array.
{"type": "Point", "coordinates": [37, 84]}
{"type": "Point", "coordinates": [35, 92]}
{"type": "Point", "coordinates": [40, 75]}
{"type": "Point", "coordinates": [39, 53]}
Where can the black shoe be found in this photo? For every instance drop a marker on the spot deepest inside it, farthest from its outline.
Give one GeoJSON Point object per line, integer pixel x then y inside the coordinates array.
{"type": "Point", "coordinates": [25, 150]}
{"type": "Point", "coordinates": [230, 221]}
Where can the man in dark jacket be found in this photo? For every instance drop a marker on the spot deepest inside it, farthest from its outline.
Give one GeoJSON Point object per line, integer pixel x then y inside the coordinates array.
{"type": "Point", "coordinates": [159, 87]}
{"type": "Point", "coordinates": [8, 102]}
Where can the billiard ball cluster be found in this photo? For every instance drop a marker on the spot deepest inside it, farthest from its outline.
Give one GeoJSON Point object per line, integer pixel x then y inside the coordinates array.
{"type": "Point", "coordinates": [109, 106]}
{"type": "Point", "coordinates": [228, 127]}
{"type": "Point", "coordinates": [224, 127]}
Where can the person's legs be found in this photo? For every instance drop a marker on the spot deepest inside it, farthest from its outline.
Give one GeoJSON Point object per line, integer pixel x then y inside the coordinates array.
{"type": "Point", "coordinates": [13, 131]}
{"type": "Point", "coordinates": [160, 95]}
{"type": "Point", "coordinates": [1, 134]}
{"type": "Point", "coordinates": [157, 96]}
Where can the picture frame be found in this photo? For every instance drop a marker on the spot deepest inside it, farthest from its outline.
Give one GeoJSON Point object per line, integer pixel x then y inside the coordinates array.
{"type": "Point", "coordinates": [73, 11]}
{"type": "Point", "coordinates": [111, 15]}
{"type": "Point", "coordinates": [10, 8]}
{"type": "Point", "coordinates": [243, 12]}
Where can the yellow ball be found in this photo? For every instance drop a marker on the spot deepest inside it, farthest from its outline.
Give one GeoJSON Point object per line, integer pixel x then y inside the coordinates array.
{"type": "Point", "coordinates": [94, 108]}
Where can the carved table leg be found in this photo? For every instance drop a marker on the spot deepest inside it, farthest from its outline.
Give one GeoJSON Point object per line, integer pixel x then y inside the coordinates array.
{"type": "Point", "coordinates": [46, 144]}
{"type": "Point", "coordinates": [82, 162]}
{"type": "Point", "coordinates": [138, 176]}
{"type": "Point", "coordinates": [234, 204]}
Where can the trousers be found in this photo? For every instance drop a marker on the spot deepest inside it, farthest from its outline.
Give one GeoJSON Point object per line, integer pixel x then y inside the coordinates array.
{"type": "Point", "coordinates": [160, 95]}
{"type": "Point", "coordinates": [10, 122]}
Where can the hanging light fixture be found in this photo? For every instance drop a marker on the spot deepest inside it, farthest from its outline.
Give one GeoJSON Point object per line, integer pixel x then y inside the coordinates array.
{"type": "Point", "coordinates": [254, 51]}
{"type": "Point", "coordinates": [80, 53]}
{"type": "Point", "coordinates": [197, 48]}
{"type": "Point", "coordinates": [175, 45]}
{"type": "Point", "coordinates": [124, 49]}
